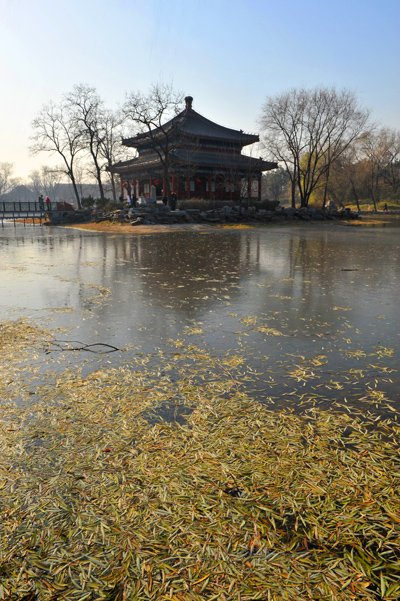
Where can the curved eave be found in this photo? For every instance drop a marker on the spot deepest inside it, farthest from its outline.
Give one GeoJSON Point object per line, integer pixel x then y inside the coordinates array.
{"type": "Point", "coordinates": [202, 161]}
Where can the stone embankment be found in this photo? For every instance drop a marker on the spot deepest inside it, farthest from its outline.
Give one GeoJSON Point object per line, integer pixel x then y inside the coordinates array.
{"type": "Point", "coordinates": [160, 214]}
{"type": "Point", "coordinates": [68, 217]}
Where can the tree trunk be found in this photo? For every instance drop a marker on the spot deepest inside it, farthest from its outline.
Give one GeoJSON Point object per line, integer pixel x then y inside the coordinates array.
{"type": "Point", "coordinates": [99, 182]}
{"type": "Point", "coordinates": [373, 200]}
{"type": "Point", "coordinates": [75, 187]}
{"type": "Point", "coordinates": [293, 182]}
{"type": "Point", "coordinates": [167, 182]}
{"type": "Point", "coordinates": [114, 192]}
{"type": "Point", "coordinates": [326, 188]}
{"type": "Point", "coordinates": [353, 189]}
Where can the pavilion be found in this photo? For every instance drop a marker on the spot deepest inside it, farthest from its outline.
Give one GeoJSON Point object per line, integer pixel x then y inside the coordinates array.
{"type": "Point", "coordinates": [196, 157]}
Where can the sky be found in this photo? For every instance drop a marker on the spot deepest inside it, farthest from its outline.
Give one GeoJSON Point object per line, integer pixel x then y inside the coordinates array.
{"type": "Point", "coordinates": [230, 55]}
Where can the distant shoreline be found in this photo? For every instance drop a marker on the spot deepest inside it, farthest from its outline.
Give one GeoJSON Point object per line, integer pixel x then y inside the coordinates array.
{"type": "Point", "coordinates": [368, 219]}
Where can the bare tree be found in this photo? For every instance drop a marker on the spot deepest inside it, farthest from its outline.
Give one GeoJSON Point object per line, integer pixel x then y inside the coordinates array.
{"type": "Point", "coordinates": [308, 130]}
{"type": "Point", "coordinates": [56, 132]}
{"type": "Point", "coordinates": [87, 115]}
{"type": "Point", "coordinates": [374, 148]}
{"type": "Point", "coordinates": [110, 148]}
{"type": "Point", "coordinates": [151, 114]}
{"type": "Point", "coordinates": [234, 178]}
{"type": "Point", "coordinates": [275, 183]}
{"type": "Point", "coordinates": [45, 180]}
{"type": "Point", "coordinates": [344, 183]}
{"type": "Point", "coordinates": [7, 181]}
{"type": "Point", "coordinates": [389, 149]}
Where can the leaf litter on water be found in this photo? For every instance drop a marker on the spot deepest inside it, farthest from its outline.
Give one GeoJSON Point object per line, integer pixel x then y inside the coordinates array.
{"type": "Point", "coordinates": [236, 501]}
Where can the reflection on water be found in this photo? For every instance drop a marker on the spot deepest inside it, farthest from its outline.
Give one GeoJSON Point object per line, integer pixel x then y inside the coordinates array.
{"type": "Point", "coordinates": [310, 307]}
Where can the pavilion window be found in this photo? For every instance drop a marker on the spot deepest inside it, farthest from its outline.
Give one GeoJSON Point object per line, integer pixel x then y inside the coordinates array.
{"type": "Point", "coordinates": [146, 188]}
{"type": "Point", "coordinates": [212, 187]}
{"type": "Point", "coordinates": [192, 186]}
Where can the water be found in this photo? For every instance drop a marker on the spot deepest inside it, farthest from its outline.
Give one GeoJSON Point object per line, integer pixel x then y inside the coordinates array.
{"type": "Point", "coordinates": [312, 309]}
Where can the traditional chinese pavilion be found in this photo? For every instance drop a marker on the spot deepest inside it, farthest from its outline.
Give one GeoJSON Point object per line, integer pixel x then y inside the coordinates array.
{"type": "Point", "coordinates": [205, 160]}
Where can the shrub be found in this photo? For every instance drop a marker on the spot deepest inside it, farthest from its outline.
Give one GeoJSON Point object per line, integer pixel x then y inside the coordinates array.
{"type": "Point", "coordinates": [88, 202]}
{"type": "Point", "coordinates": [103, 205]}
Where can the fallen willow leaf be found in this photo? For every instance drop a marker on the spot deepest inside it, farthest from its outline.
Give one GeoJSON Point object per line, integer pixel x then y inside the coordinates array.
{"type": "Point", "coordinates": [105, 494]}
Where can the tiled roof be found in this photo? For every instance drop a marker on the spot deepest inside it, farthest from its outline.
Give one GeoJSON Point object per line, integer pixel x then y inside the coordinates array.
{"type": "Point", "coordinates": [197, 158]}
{"type": "Point", "coordinates": [191, 123]}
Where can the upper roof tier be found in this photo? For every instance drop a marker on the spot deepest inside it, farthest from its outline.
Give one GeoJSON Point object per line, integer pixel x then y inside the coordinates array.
{"type": "Point", "coordinates": [191, 123]}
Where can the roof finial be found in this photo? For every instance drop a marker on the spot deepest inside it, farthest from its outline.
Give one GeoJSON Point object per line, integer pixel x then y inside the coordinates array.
{"type": "Point", "coordinates": [188, 100]}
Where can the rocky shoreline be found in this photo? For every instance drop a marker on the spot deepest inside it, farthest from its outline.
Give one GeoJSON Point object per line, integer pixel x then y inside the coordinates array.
{"type": "Point", "coordinates": [163, 215]}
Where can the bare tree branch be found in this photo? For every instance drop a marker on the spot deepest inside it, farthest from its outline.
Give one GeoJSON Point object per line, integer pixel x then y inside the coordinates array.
{"type": "Point", "coordinates": [150, 114]}
{"type": "Point", "coordinates": [7, 181]}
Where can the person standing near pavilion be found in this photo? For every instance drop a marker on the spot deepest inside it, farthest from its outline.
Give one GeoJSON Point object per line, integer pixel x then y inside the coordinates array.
{"type": "Point", "coordinates": [41, 202]}
{"type": "Point", "coordinates": [174, 200]}
{"type": "Point", "coordinates": [48, 205]}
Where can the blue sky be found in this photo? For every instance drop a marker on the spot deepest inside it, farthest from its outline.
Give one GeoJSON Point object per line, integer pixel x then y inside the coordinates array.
{"type": "Point", "coordinates": [229, 55]}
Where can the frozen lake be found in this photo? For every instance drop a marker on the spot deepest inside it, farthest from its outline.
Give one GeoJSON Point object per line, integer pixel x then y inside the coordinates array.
{"type": "Point", "coordinates": [311, 310]}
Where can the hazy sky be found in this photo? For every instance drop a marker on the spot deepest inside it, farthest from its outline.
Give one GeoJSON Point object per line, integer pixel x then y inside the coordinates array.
{"type": "Point", "coordinates": [228, 54]}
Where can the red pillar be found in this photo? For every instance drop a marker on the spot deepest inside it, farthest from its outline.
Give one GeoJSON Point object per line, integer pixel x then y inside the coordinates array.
{"type": "Point", "coordinates": [209, 186]}
{"type": "Point", "coordinates": [249, 188]}
{"type": "Point", "coordinates": [259, 188]}
{"type": "Point", "coordinates": [122, 187]}
{"type": "Point", "coordinates": [138, 187]}
{"type": "Point", "coordinates": [173, 183]}
{"type": "Point", "coordinates": [187, 186]}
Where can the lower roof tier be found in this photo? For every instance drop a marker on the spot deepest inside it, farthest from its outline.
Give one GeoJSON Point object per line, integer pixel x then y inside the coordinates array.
{"type": "Point", "coordinates": [200, 161]}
